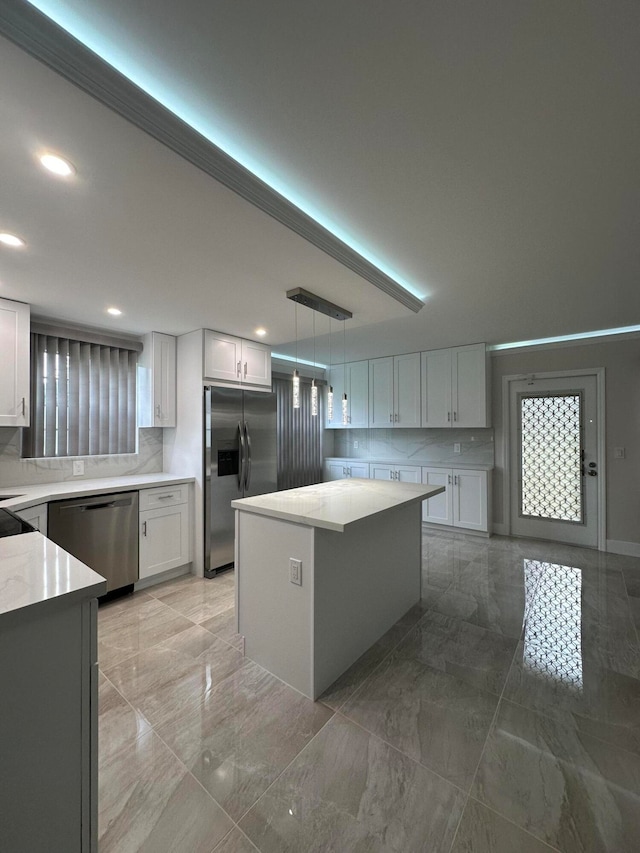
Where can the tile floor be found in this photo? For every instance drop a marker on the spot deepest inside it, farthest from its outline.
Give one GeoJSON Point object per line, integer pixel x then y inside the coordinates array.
{"type": "Point", "coordinates": [500, 714]}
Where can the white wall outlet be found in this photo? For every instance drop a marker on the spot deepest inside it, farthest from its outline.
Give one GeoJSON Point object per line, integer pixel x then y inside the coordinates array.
{"type": "Point", "coordinates": [295, 571]}
{"type": "Point", "coordinates": [618, 452]}
{"type": "Point", "coordinates": [456, 447]}
{"type": "Point", "coordinates": [78, 467]}
{"type": "Point", "coordinates": [356, 444]}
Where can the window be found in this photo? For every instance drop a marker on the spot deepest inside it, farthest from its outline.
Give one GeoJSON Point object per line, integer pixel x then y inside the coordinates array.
{"type": "Point", "coordinates": [83, 398]}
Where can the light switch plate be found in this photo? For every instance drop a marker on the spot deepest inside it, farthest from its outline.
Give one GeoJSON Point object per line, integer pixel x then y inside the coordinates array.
{"type": "Point", "coordinates": [456, 447]}
{"type": "Point", "coordinates": [78, 467]}
{"type": "Point", "coordinates": [295, 571]}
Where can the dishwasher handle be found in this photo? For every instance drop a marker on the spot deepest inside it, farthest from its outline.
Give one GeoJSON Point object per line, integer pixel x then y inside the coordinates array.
{"type": "Point", "coordinates": [81, 506]}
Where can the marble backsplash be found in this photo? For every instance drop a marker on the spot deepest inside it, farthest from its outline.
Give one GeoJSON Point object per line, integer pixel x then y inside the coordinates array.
{"type": "Point", "coordinates": [416, 446]}
{"type": "Point", "coordinates": [15, 471]}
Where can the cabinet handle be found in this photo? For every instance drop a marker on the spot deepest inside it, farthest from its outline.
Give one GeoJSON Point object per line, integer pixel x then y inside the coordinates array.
{"type": "Point", "coordinates": [449, 477]}
{"type": "Point", "coordinates": [455, 416]}
{"type": "Point", "coordinates": [349, 471]}
{"type": "Point", "coordinates": [391, 475]}
{"type": "Point", "coordinates": [390, 418]}
{"type": "Point", "coordinates": [238, 369]}
{"type": "Point", "coordinates": [23, 408]}
{"type": "Point", "coordinates": [165, 497]}
{"type": "Point", "coordinates": [158, 411]}
{"type": "Point", "coordinates": [448, 416]}
{"type": "Point", "coordinates": [344, 471]}
{"type": "Point", "coordinates": [396, 418]}
{"type": "Point", "coordinates": [245, 369]}
{"type": "Point", "coordinates": [455, 479]}
{"type": "Point", "coordinates": [144, 528]}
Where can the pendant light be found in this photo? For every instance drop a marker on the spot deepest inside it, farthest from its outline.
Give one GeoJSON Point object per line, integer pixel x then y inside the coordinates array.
{"type": "Point", "coordinates": [345, 414]}
{"type": "Point", "coordinates": [314, 387]}
{"type": "Point", "coordinates": [296, 375]}
{"type": "Point", "coordinates": [330, 391]}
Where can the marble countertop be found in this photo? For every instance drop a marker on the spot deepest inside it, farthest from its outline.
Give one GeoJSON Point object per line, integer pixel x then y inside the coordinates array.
{"type": "Point", "coordinates": [27, 496]}
{"type": "Point", "coordinates": [335, 505]}
{"type": "Point", "coordinates": [416, 463]}
{"type": "Point", "coordinates": [34, 570]}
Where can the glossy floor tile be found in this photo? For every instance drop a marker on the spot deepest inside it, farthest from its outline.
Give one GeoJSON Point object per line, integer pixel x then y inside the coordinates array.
{"type": "Point", "coordinates": [517, 678]}
{"type": "Point", "coordinates": [569, 789]}
{"type": "Point", "coordinates": [348, 790]}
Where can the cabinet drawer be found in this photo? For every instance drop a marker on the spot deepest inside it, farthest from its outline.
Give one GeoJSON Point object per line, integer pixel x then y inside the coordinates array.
{"type": "Point", "coordinates": [165, 496]}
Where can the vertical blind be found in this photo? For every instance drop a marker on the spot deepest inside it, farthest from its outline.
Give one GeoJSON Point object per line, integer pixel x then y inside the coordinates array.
{"type": "Point", "coordinates": [299, 436]}
{"type": "Point", "coordinates": [83, 398]}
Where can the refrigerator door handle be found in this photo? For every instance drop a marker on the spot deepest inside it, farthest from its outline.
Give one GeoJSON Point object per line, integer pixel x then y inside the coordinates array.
{"type": "Point", "coordinates": [247, 476]}
{"type": "Point", "coordinates": [242, 455]}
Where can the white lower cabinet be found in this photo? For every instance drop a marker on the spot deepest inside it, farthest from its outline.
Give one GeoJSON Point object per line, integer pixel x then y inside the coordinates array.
{"type": "Point", "coordinates": [36, 516]}
{"type": "Point", "coordinates": [465, 501]}
{"type": "Point", "coordinates": [342, 469]}
{"type": "Point", "coordinates": [165, 530]}
{"type": "Point", "coordinates": [399, 473]}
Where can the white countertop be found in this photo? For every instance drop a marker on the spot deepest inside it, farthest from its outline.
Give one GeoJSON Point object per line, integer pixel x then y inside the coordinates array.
{"type": "Point", "coordinates": [414, 463]}
{"type": "Point", "coordinates": [34, 570]}
{"type": "Point", "coordinates": [335, 505]}
{"type": "Point", "coordinates": [27, 496]}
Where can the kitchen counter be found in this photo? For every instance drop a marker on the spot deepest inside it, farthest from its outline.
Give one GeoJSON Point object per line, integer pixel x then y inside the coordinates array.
{"type": "Point", "coordinates": [336, 505]}
{"type": "Point", "coordinates": [337, 564]}
{"type": "Point", "coordinates": [464, 466]}
{"type": "Point", "coordinates": [33, 570]}
{"type": "Point", "coordinates": [26, 496]}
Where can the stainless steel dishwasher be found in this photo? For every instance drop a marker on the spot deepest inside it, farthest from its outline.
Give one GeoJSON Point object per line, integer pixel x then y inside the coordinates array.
{"type": "Point", "coordinates": [101, 531]}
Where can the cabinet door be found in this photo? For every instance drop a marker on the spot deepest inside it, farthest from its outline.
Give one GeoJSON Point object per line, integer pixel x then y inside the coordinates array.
{"type": "Point", "coordinates": [164, 380]}
{"type": "Point", "coordinates": [14, 358]}
{"type": "Point", "coordinates": [381, 392]}
{"type": "Point", "coordinates": [406, 390]}
{"type": "Point", "coordinates": [164, 539]}
{"type": "Point", "coordinates": [381, 472]}
{"type": "Point", "coordinates": [256, 364]}
{"type": "Point", "coordinates": [358, 393]}
{"type": "Point", "coordinates": [335, 469]}
{"type": "Point", "coordinates": [436, 388]}
{"type": "Point", "coordinates": [222, 357]}
{"type": "Point", "coordinates": [358, 469]}
{"type": "Point", "coordinates": [335, 379]}
{"type": "Point", "coordinates": [408, 474]}
{"type": "Point", "coordinates": [470, 499]}
{"type": "Point", "coordinates": [438, 509]}
{"type": "Point", "coordinates": [469, 386]}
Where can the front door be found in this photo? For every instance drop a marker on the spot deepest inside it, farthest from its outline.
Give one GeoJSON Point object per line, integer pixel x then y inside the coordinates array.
{"type": "Point", "coordinates": [554, 459]}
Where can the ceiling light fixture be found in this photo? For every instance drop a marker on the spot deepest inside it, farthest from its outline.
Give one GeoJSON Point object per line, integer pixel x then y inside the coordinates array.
{"type": "Point", "coordinates": [261, 332]}
{"type": "Point", "coordinates": [330, 391]}
{"type": "Point", "coordinates": [57, 165]}
{"type": "Point", "coordinates": [345, 404]}
{"type": "Point", "coordinates": [11, 240]}
{"type": "Point", "coordinates": [115, 312]}
{"type": "Point", "coordinates": [296, 375]}
{"type": "Point", "coordinates": [314, 387]}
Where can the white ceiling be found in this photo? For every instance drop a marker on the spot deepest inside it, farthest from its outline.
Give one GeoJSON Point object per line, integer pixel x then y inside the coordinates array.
{"type": "Point", "coordinates": [486, 152]}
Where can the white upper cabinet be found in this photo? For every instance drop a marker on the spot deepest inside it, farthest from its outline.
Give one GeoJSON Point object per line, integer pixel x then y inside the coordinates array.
{"type": "Point", "coordinates": [237, 361]}
{"type": "Point", "coordinates": [14, 357]}
{"type": "Point", "coordinates": [157, 381]}
{"type": "Point", "coordinates": [455, 387]}
{"type": "Point", "coordinates": [394, 391]}
{"type": "Point", "coordinates": [351, 378]}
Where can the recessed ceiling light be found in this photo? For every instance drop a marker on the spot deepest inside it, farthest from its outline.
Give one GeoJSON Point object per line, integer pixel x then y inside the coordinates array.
{"type": "Point", "coordinates": [116, 312]}
{"type": "Point", "coordinates": [261, 332]}
{"type": "Point", "coordinates": [57, 165]}
{"type": "Point", "coordinates": [11, 240]}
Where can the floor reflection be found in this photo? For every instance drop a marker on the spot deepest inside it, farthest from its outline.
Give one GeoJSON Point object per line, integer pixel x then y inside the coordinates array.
{"type": "Point", "coordinates": [553, 635]}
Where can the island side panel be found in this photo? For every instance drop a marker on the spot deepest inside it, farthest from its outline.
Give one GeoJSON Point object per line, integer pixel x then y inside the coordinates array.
{"type": "Point", "coordinates": [275, 615]}
{"type": "Point", "coordinates": [365, 579]}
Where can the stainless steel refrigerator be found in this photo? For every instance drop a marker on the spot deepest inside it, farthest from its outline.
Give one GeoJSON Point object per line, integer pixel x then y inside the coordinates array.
{"type": "Point", "coordinates": [239, 461]}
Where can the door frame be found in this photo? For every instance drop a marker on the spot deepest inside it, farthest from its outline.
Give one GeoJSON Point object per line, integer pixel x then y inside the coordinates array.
{"type": "Point", "coordinates": [599, 373]}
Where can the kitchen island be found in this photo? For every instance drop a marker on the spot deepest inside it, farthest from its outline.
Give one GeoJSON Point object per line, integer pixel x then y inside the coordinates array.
{"type": "Point", "coordinates": [356, 552]}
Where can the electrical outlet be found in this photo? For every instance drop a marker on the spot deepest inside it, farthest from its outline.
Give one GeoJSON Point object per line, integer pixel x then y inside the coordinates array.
{"type": "Point", "coordinates": [78, 467]}
{"type": "Point", "coordinates": [618, 452]}
{"type": "Point", "coordinates": [295, 571]}
{"type": "Point", "coordinates": [356, 444]}
{"type": "Point", "coordinates": [456, 447]}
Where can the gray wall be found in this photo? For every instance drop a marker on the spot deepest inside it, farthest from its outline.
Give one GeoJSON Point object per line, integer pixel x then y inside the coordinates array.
{"type": "Point", "coordinates": [15, 471]}
{"type": "Point", "coordinates": [621, 360]}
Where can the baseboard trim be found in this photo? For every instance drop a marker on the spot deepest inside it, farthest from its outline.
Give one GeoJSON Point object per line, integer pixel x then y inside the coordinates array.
{"type": "Point", "coordinates": [499, 529]}
{"type": "Point", "coordinates": [619, 546]}
{"type": "Point", "coordinates": [447, 528]}
{"type": "Point", "coordinates": [169, 575]}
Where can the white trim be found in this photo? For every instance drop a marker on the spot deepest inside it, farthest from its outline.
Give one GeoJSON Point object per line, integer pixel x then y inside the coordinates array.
{"type": "Point", "coordinates": [619, 546]}
{"type": "Point", "coordinates": [599, 373]}
{"type": "Point", "coordinates": [624, 333]}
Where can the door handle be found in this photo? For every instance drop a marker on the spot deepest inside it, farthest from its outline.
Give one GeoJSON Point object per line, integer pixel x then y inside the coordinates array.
{"type": "Point", "coordinates": [448, 416]}
{"type": "Point", "coordinates": [24, 407]}
{"type": "Point", "coordinates": [592, 473]}
{"type": "Point", "coordinates": [245, 369]}
{"type": "Point", "coordinates": [455, 416]}
{"type": "Point", "coordinates": [390, 418]}
{"type": "Point", "coordinates": [241, 455]}
{"type": "Point", "coordinates": [247, 478]}
{"type": "Point", "coordinates": [144, 528]}
{"type": "Point", "coordinates": [238, 369]}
